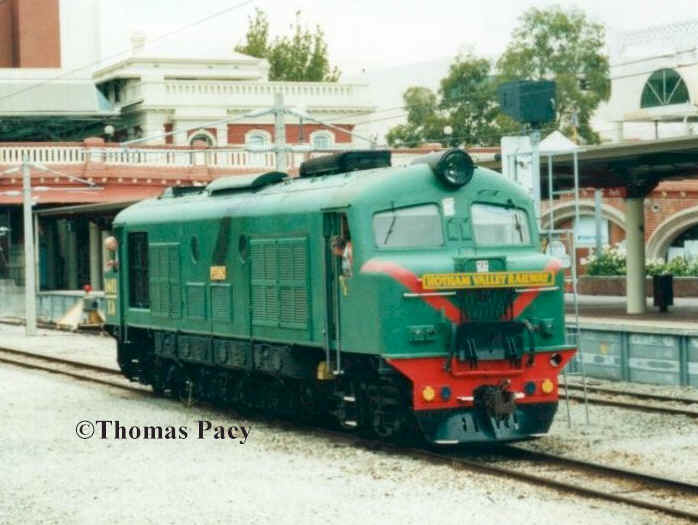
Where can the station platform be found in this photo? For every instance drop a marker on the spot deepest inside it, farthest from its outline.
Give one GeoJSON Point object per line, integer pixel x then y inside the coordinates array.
{"type": "Point", "coordinates": [683, 314]}
{"type": "Point", "coordinates": [656, 347]}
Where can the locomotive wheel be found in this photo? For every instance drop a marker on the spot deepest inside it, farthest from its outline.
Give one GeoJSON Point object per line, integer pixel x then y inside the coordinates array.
{"type": "Point", "coordinates": [159, 377]}
{"type": "Point", "coordinates": [305, 402]}
{"type": "Point", "coordinates": [187, 392]}
{"type": "Point", "coordinates": [239, 395]}
{"type": "Point", "coordinates": [180, 386]}
{"type": "Point", "coordinates": [386, 412]}
{"type": "Point", "coordinates": [172, 380]}
{"type": "Point", "coordinates": [219, 388]}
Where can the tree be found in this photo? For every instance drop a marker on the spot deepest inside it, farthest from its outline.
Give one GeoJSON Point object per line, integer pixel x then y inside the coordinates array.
{"type": "Point", "coordinates": [257, 37]}
{"type": "Point", "coordinates": [466, 102]}
{"type": "Point", "coordinates": [564, 46]}
{"type": "Point", "coordinates": [301, 56]}
{"type": "Point", "coordinates": [468, 96]}
{"type": "Point", "coordinates": [423, 119]}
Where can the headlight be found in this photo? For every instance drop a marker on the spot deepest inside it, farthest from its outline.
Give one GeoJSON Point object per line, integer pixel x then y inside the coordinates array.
{"type": "Point", "coordinates": [454, 166]}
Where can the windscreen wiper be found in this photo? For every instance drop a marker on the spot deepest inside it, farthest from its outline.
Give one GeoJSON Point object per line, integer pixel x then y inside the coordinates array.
{"type": "Point", "coordinates": [390, 229]}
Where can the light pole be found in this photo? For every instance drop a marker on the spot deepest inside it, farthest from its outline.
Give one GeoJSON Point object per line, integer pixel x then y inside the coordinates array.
{"type": "Point", "coordinates": [29, 275]}
{"type": "Point", "coordinates": [448, 131]}
{"type": "Point", "coordinates": [29, 261]}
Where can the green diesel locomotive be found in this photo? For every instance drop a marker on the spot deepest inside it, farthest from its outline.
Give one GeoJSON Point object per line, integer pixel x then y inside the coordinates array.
{"type": "Point", "coordinates": [388, 298]}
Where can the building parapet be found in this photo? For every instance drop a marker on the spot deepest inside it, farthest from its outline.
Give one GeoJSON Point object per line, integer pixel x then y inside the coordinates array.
{"type": "Point", "coordinates": [245, 94]}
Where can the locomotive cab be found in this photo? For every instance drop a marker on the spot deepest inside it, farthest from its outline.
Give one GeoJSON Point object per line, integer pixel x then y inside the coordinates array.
{"type": "Point", "coordinates": [470, 310]}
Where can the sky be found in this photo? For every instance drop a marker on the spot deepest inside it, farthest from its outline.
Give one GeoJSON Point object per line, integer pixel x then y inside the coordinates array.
{"type": "Point", "coordinates": [364, 35]}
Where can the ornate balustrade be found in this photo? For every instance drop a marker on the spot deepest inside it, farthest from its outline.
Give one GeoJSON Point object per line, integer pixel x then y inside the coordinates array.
{"type": "Point", "coordinates": [170, 156]}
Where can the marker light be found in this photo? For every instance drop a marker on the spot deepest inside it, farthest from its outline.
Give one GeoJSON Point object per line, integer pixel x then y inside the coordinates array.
{"type": "Point", "coordinates": [530, 388]}
{"type": "Point", "coordinates": [547, 386]}
{"type": "Point", "coordinates": [445, 393]}
{"type": "Point", "coordinates": [428, 393]}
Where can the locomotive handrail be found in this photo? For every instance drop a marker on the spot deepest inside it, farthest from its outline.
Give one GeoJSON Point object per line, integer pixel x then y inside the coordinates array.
{"type": "Point", "coordinates": [542, 289]}
{"type": "Point", "coordinates": [427, 294]}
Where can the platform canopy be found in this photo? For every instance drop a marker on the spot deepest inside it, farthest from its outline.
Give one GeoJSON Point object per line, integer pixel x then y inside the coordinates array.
{"type": "Point", "coordinates": [636, 168]}
{"type": "Point", "coordinates": [40, 110]}
{"type": "Point", "coordinates": [634, 165]}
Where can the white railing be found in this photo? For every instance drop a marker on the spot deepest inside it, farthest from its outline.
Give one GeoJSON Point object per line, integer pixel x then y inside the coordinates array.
{"type": "Point", "coordinates": [171, 157]}
{"type": "Point", "coordinates": [43, 154]}
{"type": "Point", "coordinates": [146, 157]}
{"type": "Point", "coordinates": [214, 158]}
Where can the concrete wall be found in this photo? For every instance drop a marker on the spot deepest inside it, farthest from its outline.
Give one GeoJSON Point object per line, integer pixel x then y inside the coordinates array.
{"type": "Point", "coordinates": [661, 356]}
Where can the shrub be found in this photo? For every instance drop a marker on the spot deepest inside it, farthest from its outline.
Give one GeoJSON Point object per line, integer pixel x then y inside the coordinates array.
{"type": "Point", "coordinates": [609, 262]}
{"type": "Point", "coordinates": [612, 262]}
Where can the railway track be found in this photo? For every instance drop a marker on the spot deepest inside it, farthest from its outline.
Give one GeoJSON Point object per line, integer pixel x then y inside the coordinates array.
{"type": "Point", "coordinates": [629, 400]}
{"type": "Point", "coordinates": [70, 368]}
{"type": "Point", "coordinates": [568, 475]}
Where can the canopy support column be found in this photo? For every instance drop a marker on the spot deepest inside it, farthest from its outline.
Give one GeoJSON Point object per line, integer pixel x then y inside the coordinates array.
{"type": "Point", "coordinates": [95, 257]}
{"type": "Point", "coordinates": [635, 254]}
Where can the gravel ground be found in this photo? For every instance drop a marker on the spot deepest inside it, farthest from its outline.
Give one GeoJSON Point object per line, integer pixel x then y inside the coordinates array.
{"type": "Point", "coordinates": [662, 444]}
{"type": "Point", "coordinates": [278, 476]}
{"type": "Point", "coordinates": [87, 348]}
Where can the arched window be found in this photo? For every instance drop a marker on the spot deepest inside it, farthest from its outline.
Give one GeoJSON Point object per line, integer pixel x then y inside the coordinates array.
{"type": "Point", "coordinates": [663, 88]}
{"type": "Point", "coordinates": [257, 139]}
{"type": "Point", "coordinates": [321, 140]}
{"type": "Point", "coordinates": [204, 136]}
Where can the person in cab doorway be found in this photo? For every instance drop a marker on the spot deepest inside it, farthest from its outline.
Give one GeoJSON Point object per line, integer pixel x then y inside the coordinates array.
{"type": "Point", "coordinates": [341, 247]}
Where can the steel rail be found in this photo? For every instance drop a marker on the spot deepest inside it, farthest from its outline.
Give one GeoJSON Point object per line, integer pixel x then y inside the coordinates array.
{"type": "Point", "coordinates": [76, 365]}
{"type": "Point", "coordinates": [630, 393]}
{"type": "Point", "coordinates": [445, 457]}
{"type": "Point", "coordinates": [580, 489]}
{"type": "Point", "coordinates": [602, 468]}
{"type": "Point", "coordinates": [632, 406]}
{"type": "Point", "coordinates": [69, 362]}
